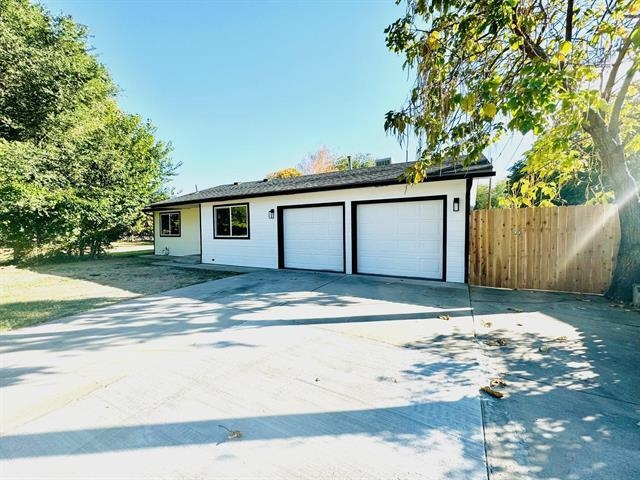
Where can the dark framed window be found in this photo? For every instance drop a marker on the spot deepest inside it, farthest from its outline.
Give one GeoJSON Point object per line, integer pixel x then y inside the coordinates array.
{"type": "Point", "coordinates": [231, 221]}
{"type": "Point", "coordinates": [170, 224]}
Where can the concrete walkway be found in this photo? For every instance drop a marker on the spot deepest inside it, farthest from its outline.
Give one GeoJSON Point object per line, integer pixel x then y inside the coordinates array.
{"type": "Point", "coordinates": [264, 375]}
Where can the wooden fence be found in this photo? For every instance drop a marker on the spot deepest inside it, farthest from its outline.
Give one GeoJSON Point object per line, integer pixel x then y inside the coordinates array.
{"type": "Point", "coordinates": [570, 249]}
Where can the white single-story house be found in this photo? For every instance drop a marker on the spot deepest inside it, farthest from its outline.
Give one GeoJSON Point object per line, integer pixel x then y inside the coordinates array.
{"type": "Point", "coordinates": [363, 221]}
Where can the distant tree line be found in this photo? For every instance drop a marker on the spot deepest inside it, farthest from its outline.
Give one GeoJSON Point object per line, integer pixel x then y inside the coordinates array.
{"type": "Point", "coordinates": [323, 161]}
{"type": "Point", "coordinates": [75, 170]}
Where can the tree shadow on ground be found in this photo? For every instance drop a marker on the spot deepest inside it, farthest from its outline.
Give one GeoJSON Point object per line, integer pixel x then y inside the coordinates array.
{"type": "Point", "coordinates": [249, 301]}
{"type": "Point", "coordinates": [14, 375]}
{"type": "Point", "coordinates": [24, 314]}
{"type": "Point", "coordinates": [570, 362]}
{"type": "Point", "coordinates": [422, 422]}
{"type": "Point", "coordinates": [573, 387]}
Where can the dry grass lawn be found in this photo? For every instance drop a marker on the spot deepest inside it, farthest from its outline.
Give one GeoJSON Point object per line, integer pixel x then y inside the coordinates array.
{"type": "Point", "coordinates": [39, 293]}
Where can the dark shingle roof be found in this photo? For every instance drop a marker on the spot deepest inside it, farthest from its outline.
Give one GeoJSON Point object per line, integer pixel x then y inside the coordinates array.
{"type": "Point", "coordinates": [361, 177]}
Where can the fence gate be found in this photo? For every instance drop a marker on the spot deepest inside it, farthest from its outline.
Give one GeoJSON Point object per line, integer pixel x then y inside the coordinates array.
{"type": "Point", "coordinates": [570, 249]}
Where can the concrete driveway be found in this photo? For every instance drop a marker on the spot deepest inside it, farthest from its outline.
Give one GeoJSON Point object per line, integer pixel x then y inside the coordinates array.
{"type": "Point", "coordinates": [326, 376]}
{"type": "Point", "coordinates": [268, 374]}
{"type": "Point", "coordinates": [572, 368]}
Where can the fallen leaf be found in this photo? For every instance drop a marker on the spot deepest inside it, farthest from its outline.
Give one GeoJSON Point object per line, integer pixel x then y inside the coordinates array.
{"type": "Point", "coordinates": [563, 338]}
{"type": "Point", "coordinates": [501, 342]}
{"type": "Point", "coordinates": [231, 434]}
{"type": "Point", "coordinates": [498, 382]}
{"type": "Point", "coordinates": [444, 317]}
{"type": "Point", "coordinates": [487, 324]}
{"type": "Point", "coordinates": [317, 379]}
{"type": "Point", "coordinates": [492, 392]}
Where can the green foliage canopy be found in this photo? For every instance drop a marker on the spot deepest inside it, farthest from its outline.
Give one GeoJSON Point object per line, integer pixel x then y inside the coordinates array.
{"type": "Point", "coordinates": [564, 70]}
{"type": "Point", "coordinates": [359, 160]}
{"type": "Point", "coordinates": [75, 170]}
{"type": "Point", "coordinates": [498, 193]}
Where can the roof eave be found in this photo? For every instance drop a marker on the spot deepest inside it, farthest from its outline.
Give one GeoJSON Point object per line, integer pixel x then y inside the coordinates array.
{"type": "Point", "coordinates": [432, 178]}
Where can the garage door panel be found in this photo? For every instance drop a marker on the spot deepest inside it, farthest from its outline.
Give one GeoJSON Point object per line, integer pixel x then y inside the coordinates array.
{"type": "Point", "coordinates": [400, 238]}
{"type": "Point", "coordinates": [313, 238]}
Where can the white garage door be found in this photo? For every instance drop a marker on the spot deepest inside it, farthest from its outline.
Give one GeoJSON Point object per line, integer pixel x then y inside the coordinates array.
{"type": "Point", "coordinates": [313, 238]}
{"type": "Point", "coordinates": [401, 239]}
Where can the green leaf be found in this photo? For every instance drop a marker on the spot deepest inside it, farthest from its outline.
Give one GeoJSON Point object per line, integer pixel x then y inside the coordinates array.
{"type": "Point", "coordinates": [489, 110]}
{"type": "Point", "coordinates": [468, 103]}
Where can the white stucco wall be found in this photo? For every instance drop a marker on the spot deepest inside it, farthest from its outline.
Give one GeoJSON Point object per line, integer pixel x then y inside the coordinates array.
{"type": "Point", "coordinates": [261, 249]}
{"type": "Point", "coordinates": [188, 243]}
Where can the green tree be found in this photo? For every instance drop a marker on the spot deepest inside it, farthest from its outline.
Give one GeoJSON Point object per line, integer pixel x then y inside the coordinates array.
{"type": "Point", "coordinates": [487, 67]}
{"type": "Point", "coordinates": [75, 171]}
{"type": "Point", "coordinates": [498, 192]}
{"type": "Point", "coordinates": [45, 70]}
{"type": "Point", "coordinates": [359, 160]}
{"type": "Point", "coordinates": [585, 186]}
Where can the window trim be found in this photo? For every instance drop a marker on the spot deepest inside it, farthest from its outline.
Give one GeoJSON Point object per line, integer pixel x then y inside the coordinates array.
{"type": "Point", "coordinates": [231, 237]}
{"type": "Point", "coordinates": [179, 223]}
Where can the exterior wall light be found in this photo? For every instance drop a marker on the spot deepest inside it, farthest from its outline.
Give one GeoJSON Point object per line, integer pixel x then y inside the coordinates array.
{"type": "Point", "coordinates": [272, 214]}
{"type": "Point", "coordinates": [456, 204]}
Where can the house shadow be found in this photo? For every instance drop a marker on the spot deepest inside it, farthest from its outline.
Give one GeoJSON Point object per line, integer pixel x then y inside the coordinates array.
{"type": "Point", "coordinates": [417, 428]}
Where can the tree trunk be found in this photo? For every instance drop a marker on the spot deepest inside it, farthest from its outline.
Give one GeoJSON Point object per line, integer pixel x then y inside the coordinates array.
{"type": "Point", "coordinates": [611, 153]}
{"type": "Point", "coordinates": [627, 271]}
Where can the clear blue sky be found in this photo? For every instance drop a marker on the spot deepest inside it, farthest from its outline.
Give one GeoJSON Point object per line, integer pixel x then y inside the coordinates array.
{"type": "Point", "coordinates": [244, 88]}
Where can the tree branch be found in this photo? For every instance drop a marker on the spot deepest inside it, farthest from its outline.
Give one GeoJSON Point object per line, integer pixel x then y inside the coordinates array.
{"type": "Point", "coordinates": [608, 148]}
{"type": "Point", "coordinates": [614, 121]}
{"type": "Point", "coordinates": [611, 81]}
{"type": "Point", "coordinates": [529, 47]}
{"type": "Point", "coordinates": [568, 32]}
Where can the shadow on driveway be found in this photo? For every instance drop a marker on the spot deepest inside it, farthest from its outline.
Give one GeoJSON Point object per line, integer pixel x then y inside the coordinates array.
{"type": "Point", "coordinates": [309, 367]}
{"type": "Point", "coordinates": [571, 365]}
